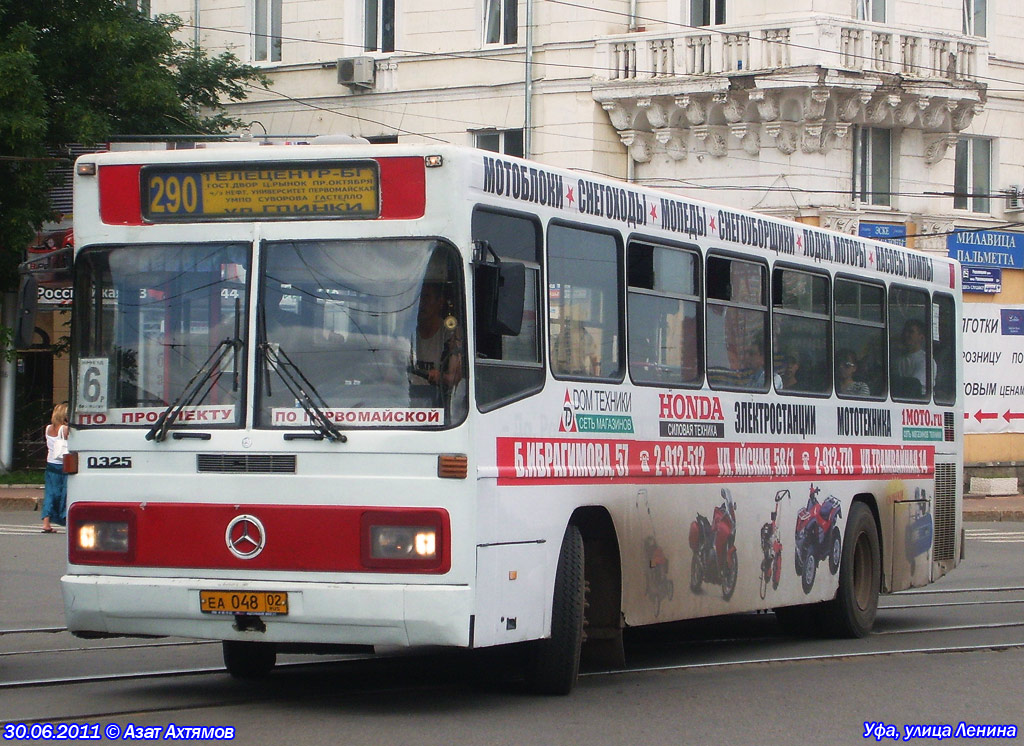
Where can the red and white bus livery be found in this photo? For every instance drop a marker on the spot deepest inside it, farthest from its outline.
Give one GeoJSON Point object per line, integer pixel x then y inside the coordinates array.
{"type": "Point", "coordinates": [419, 396]}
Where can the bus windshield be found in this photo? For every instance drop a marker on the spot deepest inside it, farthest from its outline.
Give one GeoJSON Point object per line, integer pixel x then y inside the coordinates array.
{"type": "Point", "coordinates": [155, 323]}
{"type": "Point", "coordinates": [363, 333]}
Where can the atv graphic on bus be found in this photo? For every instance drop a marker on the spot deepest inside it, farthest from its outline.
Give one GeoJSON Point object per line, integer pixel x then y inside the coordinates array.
{"type": "Point", "coordinates": [817, 537]}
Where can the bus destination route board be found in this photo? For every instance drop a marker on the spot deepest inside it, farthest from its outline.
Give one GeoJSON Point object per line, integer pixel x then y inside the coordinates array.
{"type": "Point", "coordinates": [246, 191]}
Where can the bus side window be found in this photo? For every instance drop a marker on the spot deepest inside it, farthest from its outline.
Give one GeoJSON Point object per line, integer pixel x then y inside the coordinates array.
{"type": "Point", "coordinates": [509, 367]}
{"type": "Point", "coordinates": [944, 311]}
{"type": "Point", "coordinates": [911, 366]}
{"type": "Point", "coordinates": [860, 313]}
{"type": "Point", "coordinates": [584, 314]}
{"type": "Point", "coordinates": [663, 309]}
{"type": "Point", "coordinates": [736, 324]}
{"type": "Point", "coordinates": [800, 331]}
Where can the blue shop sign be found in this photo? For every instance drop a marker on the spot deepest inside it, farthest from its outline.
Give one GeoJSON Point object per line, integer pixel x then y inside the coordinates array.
{"type": "Point", "coordinates": [890, 232]}
{"type": "Point", "coordinates": [987, 248]}
{"type": "Point", "coordinates": [1012, 321]}
{"type": "Point", "coordinates": [982, 279]}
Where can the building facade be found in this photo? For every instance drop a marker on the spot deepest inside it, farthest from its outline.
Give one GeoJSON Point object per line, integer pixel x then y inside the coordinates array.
{"type": "Point", "coordinates": [895, 119]}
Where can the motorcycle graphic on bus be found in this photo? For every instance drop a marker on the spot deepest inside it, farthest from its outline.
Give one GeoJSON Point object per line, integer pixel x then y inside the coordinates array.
{"type": "Point", "coordinates": [714, 548]}
{"type": "Point", "coordinates": [817, 537]}
{"type": "Point", "coordinates": [658, 586]}
{"type": "Point", "coordinates": [771, 546]}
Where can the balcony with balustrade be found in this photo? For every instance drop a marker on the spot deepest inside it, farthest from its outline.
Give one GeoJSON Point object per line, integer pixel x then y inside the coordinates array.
{"type": "Point", "coordinates": [799, 86]}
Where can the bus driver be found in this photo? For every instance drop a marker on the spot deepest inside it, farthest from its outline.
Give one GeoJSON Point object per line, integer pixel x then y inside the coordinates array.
{"type": "Point", "coordinates": [438, 345]}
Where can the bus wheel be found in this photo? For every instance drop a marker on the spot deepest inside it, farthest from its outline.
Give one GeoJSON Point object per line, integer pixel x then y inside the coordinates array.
{"type": "Point", "coordinates": [249, 660]}
{"type": "Point", "coordinates": [852, 612]}
{"type": "Point", "coordinates": [554, 663]}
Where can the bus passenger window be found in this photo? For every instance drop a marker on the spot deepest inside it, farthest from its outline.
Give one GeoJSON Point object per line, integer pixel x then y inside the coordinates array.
{"type": "Point", "coordinates": [911, 367]}
{"type": "Point", "coordinates": [736, 324]}
{"type": "Point", "coordinates": [800, 332]}
{"type": "Point", "coordinates": [860, 338]}
{"type": "Point", "coordinates": [584, 317]}
{"type": "Point", "coordinates": [663, 307]}
{"type": "Point", "coordinates": [945, 349]}
{"type": "Point", "coordinates": [509, 367]}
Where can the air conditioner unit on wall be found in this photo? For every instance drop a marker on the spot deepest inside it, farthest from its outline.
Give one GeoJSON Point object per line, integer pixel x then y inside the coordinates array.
{"type": "Point", "coordinates": [356, 71]}
{"type": "Point", "coordinates": [1014, 198]}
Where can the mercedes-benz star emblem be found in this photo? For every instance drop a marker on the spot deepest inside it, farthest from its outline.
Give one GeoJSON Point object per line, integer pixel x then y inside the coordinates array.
{"type": "Point", "coordinates": [245, 536]}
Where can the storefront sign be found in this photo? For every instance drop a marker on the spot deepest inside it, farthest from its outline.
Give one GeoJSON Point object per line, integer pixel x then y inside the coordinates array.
{"type": "Point", "coordinates": [993, 339]}
{"type": "Point", "coordinates": [987, 248]}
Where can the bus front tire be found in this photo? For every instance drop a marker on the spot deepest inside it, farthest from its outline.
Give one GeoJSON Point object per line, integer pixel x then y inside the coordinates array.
{"type": "Point", "coordinates": [852, 612]}
{"type": "Point", "coordinates": [249, 660]}
{"type": "Point", "coordinates": [554, 663]}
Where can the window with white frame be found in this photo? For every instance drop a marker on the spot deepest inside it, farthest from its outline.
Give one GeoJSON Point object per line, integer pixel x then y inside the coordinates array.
{"type": "Point", "coordinates": [509, 142]}
{"type": "Point", "coordinates": [379, 26]}
{"type": "Point", "coordinates": [266, 44]}
{"type": "Point", "coordinates": [972, 178]}
{"type": "Point", "coordinates": [501, 21]}
{"type": "Point", "coordinates": [872, 165]}
{"type": "Point", "coordinates": [707, 12]}
{"type": "Point", "coordinates": [872, 10]}
{"type": "Point", "coordinates": [975, 17]}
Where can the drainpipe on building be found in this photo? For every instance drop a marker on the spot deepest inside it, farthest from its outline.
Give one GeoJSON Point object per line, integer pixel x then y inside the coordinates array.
{"type": "Point", "coordinates": [528, 87]}
{"type": "Point", "coordinates": [632, 15]}
{"type": "Point", "coordinates": [7, 377]}
{"type": "Point", "coordinates": [195, 24]}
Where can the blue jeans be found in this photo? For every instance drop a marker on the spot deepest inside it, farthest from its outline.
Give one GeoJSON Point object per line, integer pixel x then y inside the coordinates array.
{"type": "Point", "coordinates": [55, 498]}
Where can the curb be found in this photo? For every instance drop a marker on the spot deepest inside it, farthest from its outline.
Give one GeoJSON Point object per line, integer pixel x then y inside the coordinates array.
{"type": "Point", "coordinates": [994, 515]}
{"type": "Point", "coordinates": [20, 503]}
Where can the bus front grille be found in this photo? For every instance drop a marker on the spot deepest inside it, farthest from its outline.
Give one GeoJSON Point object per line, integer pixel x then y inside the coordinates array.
{"type": "Point", "coordinates": [243, 463]}
{"type": "Point", "coordinates": [945, 512]}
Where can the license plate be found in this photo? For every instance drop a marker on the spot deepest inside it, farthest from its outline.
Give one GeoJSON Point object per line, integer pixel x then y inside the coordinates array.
{"type": "Point", "coordinates": [267, 603]}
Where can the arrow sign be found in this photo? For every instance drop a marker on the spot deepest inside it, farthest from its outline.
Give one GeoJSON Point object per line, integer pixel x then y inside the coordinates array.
{"type": "Point", "coordinates": [1008, 415]}
{"type": "Point", "coordinates": [980, 416]}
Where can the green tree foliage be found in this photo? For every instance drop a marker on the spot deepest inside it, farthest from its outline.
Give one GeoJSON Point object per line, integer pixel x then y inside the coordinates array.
{"type": "Point", "coordinates": [82, 71]}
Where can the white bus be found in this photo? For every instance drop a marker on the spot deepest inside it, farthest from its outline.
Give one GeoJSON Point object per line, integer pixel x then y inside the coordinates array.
{"type": "Point", "coordinates": [422, 395]}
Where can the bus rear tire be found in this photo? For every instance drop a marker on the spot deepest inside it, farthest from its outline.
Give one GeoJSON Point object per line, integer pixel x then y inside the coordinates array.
{"type": "Point", "coordinates": [554, 664]}
{"type": "Point", "coordinates": [852, 612]}
{"type": "Point", "coordinates": [249, 660]}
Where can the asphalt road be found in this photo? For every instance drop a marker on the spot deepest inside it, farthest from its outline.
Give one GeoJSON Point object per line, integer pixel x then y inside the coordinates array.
{"type": "Point", "coordinates": [952, 653]}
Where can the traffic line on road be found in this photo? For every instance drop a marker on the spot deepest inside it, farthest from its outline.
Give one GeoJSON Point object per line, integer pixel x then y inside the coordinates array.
{"type": "Point", "coordinates": [17, 529]}
{"type": "Point", "coordinates": [994, 536]}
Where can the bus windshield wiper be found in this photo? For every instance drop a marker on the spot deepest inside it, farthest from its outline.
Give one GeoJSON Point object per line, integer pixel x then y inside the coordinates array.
{"type": "Point", "coordinates": [303, 391]}
{"type": "Point", "coordinates": [190, 394]}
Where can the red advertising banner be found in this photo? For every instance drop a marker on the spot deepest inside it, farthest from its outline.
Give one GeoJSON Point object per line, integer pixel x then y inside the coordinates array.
{"type": "Point", "coordinates": [524, 461]}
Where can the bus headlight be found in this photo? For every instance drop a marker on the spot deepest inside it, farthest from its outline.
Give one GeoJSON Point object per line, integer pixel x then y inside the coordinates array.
{"type": "Point", "coordinates": [101, 535]}
{"type": "Point", "coordinates": [405, 540]}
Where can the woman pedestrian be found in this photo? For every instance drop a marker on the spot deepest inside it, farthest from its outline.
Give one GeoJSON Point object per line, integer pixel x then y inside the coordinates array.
{"type": "Point", "coordinates": [55, 498]}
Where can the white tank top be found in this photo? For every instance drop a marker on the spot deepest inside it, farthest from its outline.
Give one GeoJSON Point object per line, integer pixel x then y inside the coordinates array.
{"type": "Point", "coordinates": [56, 445]}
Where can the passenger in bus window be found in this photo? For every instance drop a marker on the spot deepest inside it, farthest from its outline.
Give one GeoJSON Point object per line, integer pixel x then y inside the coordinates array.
{"type": "Point", "coordinates": [789, 367]}
{"type": "Point", "coordinates": [575, 351]}
{"type": "Point", "coordinates": [438, 339]}
{"type": "Point", "coordinates": [910, 366]}
{"type": "Point", "coordinates": [756, 368]}
{"type": "Point", "coordinates": [846, 369]}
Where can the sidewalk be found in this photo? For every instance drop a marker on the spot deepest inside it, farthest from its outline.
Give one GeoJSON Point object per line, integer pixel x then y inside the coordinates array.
{"type": "Point", "coordinates": [1010, 508]}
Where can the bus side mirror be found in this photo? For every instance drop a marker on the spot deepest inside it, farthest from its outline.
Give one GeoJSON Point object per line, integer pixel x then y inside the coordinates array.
{"type": "Point", "coordinates": [25, 323]}
{"type": "Point", "coordinates": [501, 292]}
